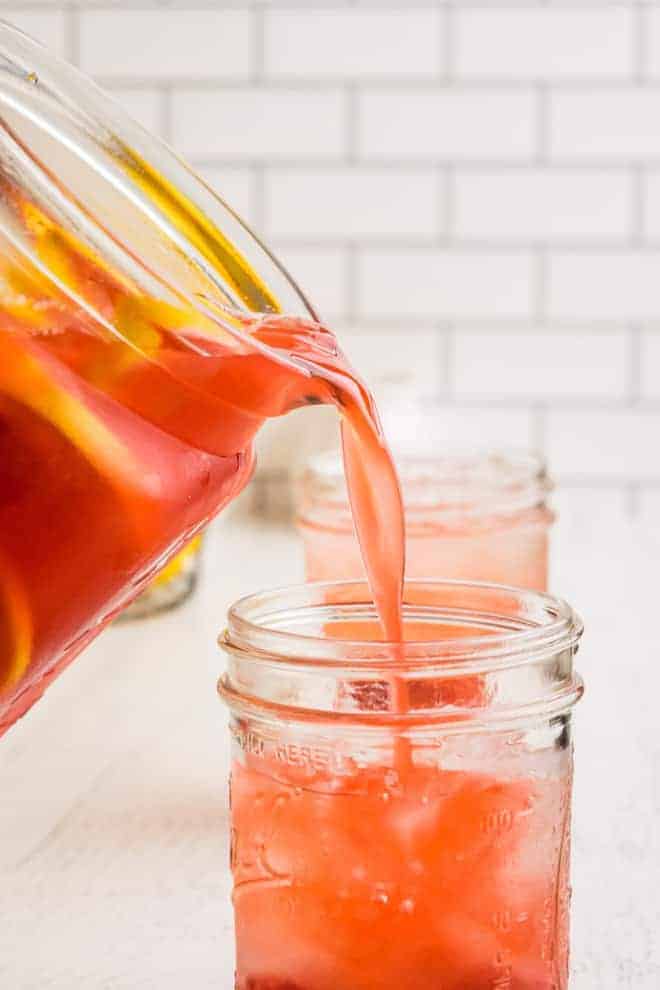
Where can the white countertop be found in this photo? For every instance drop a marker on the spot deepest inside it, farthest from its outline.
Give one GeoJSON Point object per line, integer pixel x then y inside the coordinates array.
{"type": "Point", "coordinates": [113, 853]}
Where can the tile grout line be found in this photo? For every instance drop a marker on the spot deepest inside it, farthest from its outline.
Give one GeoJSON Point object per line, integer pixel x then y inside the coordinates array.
{"type": "Point", "coordinates": [540, 279]}
{"type": "Point", "coordinates": [397, 243]}
{"type": "Point", "coordinates": [258, 196]}
{"type": "Point", "coordinates": [446, 204]}
{"type": "Point", "coordinates": [542, 124]}
{"type": "Point", "coordinates": [446, 343]}
{"type": "Point", "coordinates": [539, 427]}
{"type": "Point", "coordinates": [638, 178]}
{"type": "Point", "coordinates": [166, 113]}
{"type": "Point", "coordinates": [634, 388]}
{"type": "Point", "coordinates": [640, 51]}
{"type": "Point", "coordinates": [632, 495]}
{"type": "Point", "coordinates": [401, 85]}
{"type": "Point", "coordinates": [72, 27]}
{"type": "Point", "coordinates": [447, 48]}
{"type": "Point", "coordinates": [352, 289]}
{"type": "Point", "coordinates": [501, 325]}
{"type": "Point", "coordinates": [352, 124]}
{"type": "Point", "coordinates": [257, 56]}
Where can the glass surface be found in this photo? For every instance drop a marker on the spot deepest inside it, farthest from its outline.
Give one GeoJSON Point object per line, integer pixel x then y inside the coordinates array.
{"type": "Point", "coordinates": [401, 812]}
{"type": "Point", "coordinates": [122, 283]}
{"type": "Point", "coordinates": [145, 336]}
{"type": "Point", "coordinates": [172, 586]}
{"type": "Point", "coordinates": [125, 361]}
{"type": "Point", "coordinates": [470, 516]}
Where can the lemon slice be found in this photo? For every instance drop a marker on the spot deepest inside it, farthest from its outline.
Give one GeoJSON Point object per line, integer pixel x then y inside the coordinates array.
{"type": "Point", "coordinates": [15, 627]}
{"type": "Point", "coordinates": [26, 380]}
{"type": "Point", "coordinates": [177, 564]}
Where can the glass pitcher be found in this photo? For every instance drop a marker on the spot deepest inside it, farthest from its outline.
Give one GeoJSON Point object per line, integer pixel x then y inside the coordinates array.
{"type": "Point", "coordinates": [132, 379]}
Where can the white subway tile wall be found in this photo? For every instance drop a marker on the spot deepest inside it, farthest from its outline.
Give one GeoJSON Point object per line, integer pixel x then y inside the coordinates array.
{"type": "Point", "coordinates": [165, 45]}
{"type": "Point", "coordinates": [542, 364]}
{"type": "Point", "coordinates": [604, 123]}
{"type": "Point", "coordinates": [556, 206]}
{"type": "Point", "coordinates": [649, 506]}
{"type": "Point", "coordinates": [323, 273]}
{"type": "Point", "coordinates": [650, 196]}
{"type": "Point", "coordinates": [145, 105]}
{"type": "Point", "coordinates": [48, 25]}
{"type": "Point", "coordinates": [444, 122]}
{"type": "Point", "coordinates": [603, 285]}
{"type": "Point", "coordinates": [425, 284]}
{"type": "Point", "coordinates": [469, 189]}
{"type": "Point", "coordinates": [260, 123]}
{"type": "Point", "coordinates": [605, 444]}
{"type": "Point", "coordinates": [404, 43]}
{"type": "Point", "coordinates": [359, 204]}
{"type": "Point", "coordinates": [650, 362]}
{"type": "Point", "coordinates": [237, 186]}
{"type": "Point", "coordinates": [382, 357]}
{"type": "Point", "coordinates": [515, 44]}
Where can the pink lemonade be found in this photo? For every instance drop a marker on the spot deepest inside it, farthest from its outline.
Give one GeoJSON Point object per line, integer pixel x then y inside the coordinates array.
{"type": "Point", "coordinates": [377, 882]}
{"type": "Point", "coordinates": [406, 831]}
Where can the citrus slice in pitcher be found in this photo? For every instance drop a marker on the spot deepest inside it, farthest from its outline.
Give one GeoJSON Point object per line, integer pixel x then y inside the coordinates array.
{"type": "Point", "coordinates": [25, 378]}
{"type": "Point", "coordinates": [15, 627]}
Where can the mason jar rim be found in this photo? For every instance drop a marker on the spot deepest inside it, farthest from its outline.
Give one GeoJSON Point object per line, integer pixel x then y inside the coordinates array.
{"type": "Point", "coordinates": [526, 644]}
{"type": "Point", "coordinates": [257, 624]}
{"type": "Point", "coordinates": [473, 482]}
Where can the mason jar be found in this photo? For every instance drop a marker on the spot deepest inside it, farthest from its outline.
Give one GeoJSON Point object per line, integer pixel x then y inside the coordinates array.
{"type": "Point", "coordinates": [400, 813]}
{"type": "Point", "coordinates": [471, 516]}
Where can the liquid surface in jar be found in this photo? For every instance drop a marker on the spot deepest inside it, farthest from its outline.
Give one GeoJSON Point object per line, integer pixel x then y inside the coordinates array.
{"type": "Point", "coordinates": [122, 436]}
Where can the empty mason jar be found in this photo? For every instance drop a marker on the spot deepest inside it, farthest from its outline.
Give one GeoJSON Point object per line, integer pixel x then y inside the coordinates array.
{"type": "Point", "coordinates": [477, 517]}
{"type": "Point", "coordinates": [400, 813]}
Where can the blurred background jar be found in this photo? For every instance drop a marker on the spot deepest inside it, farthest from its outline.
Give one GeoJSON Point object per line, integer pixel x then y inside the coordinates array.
{"type": "Point", "coordinates": [470, 515]}
{"type": "Point", "coordinates": [171, 587]}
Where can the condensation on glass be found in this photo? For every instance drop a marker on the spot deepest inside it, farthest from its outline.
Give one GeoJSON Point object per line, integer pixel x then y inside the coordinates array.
{"type": "Point", "coordinates": [400, 813]}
